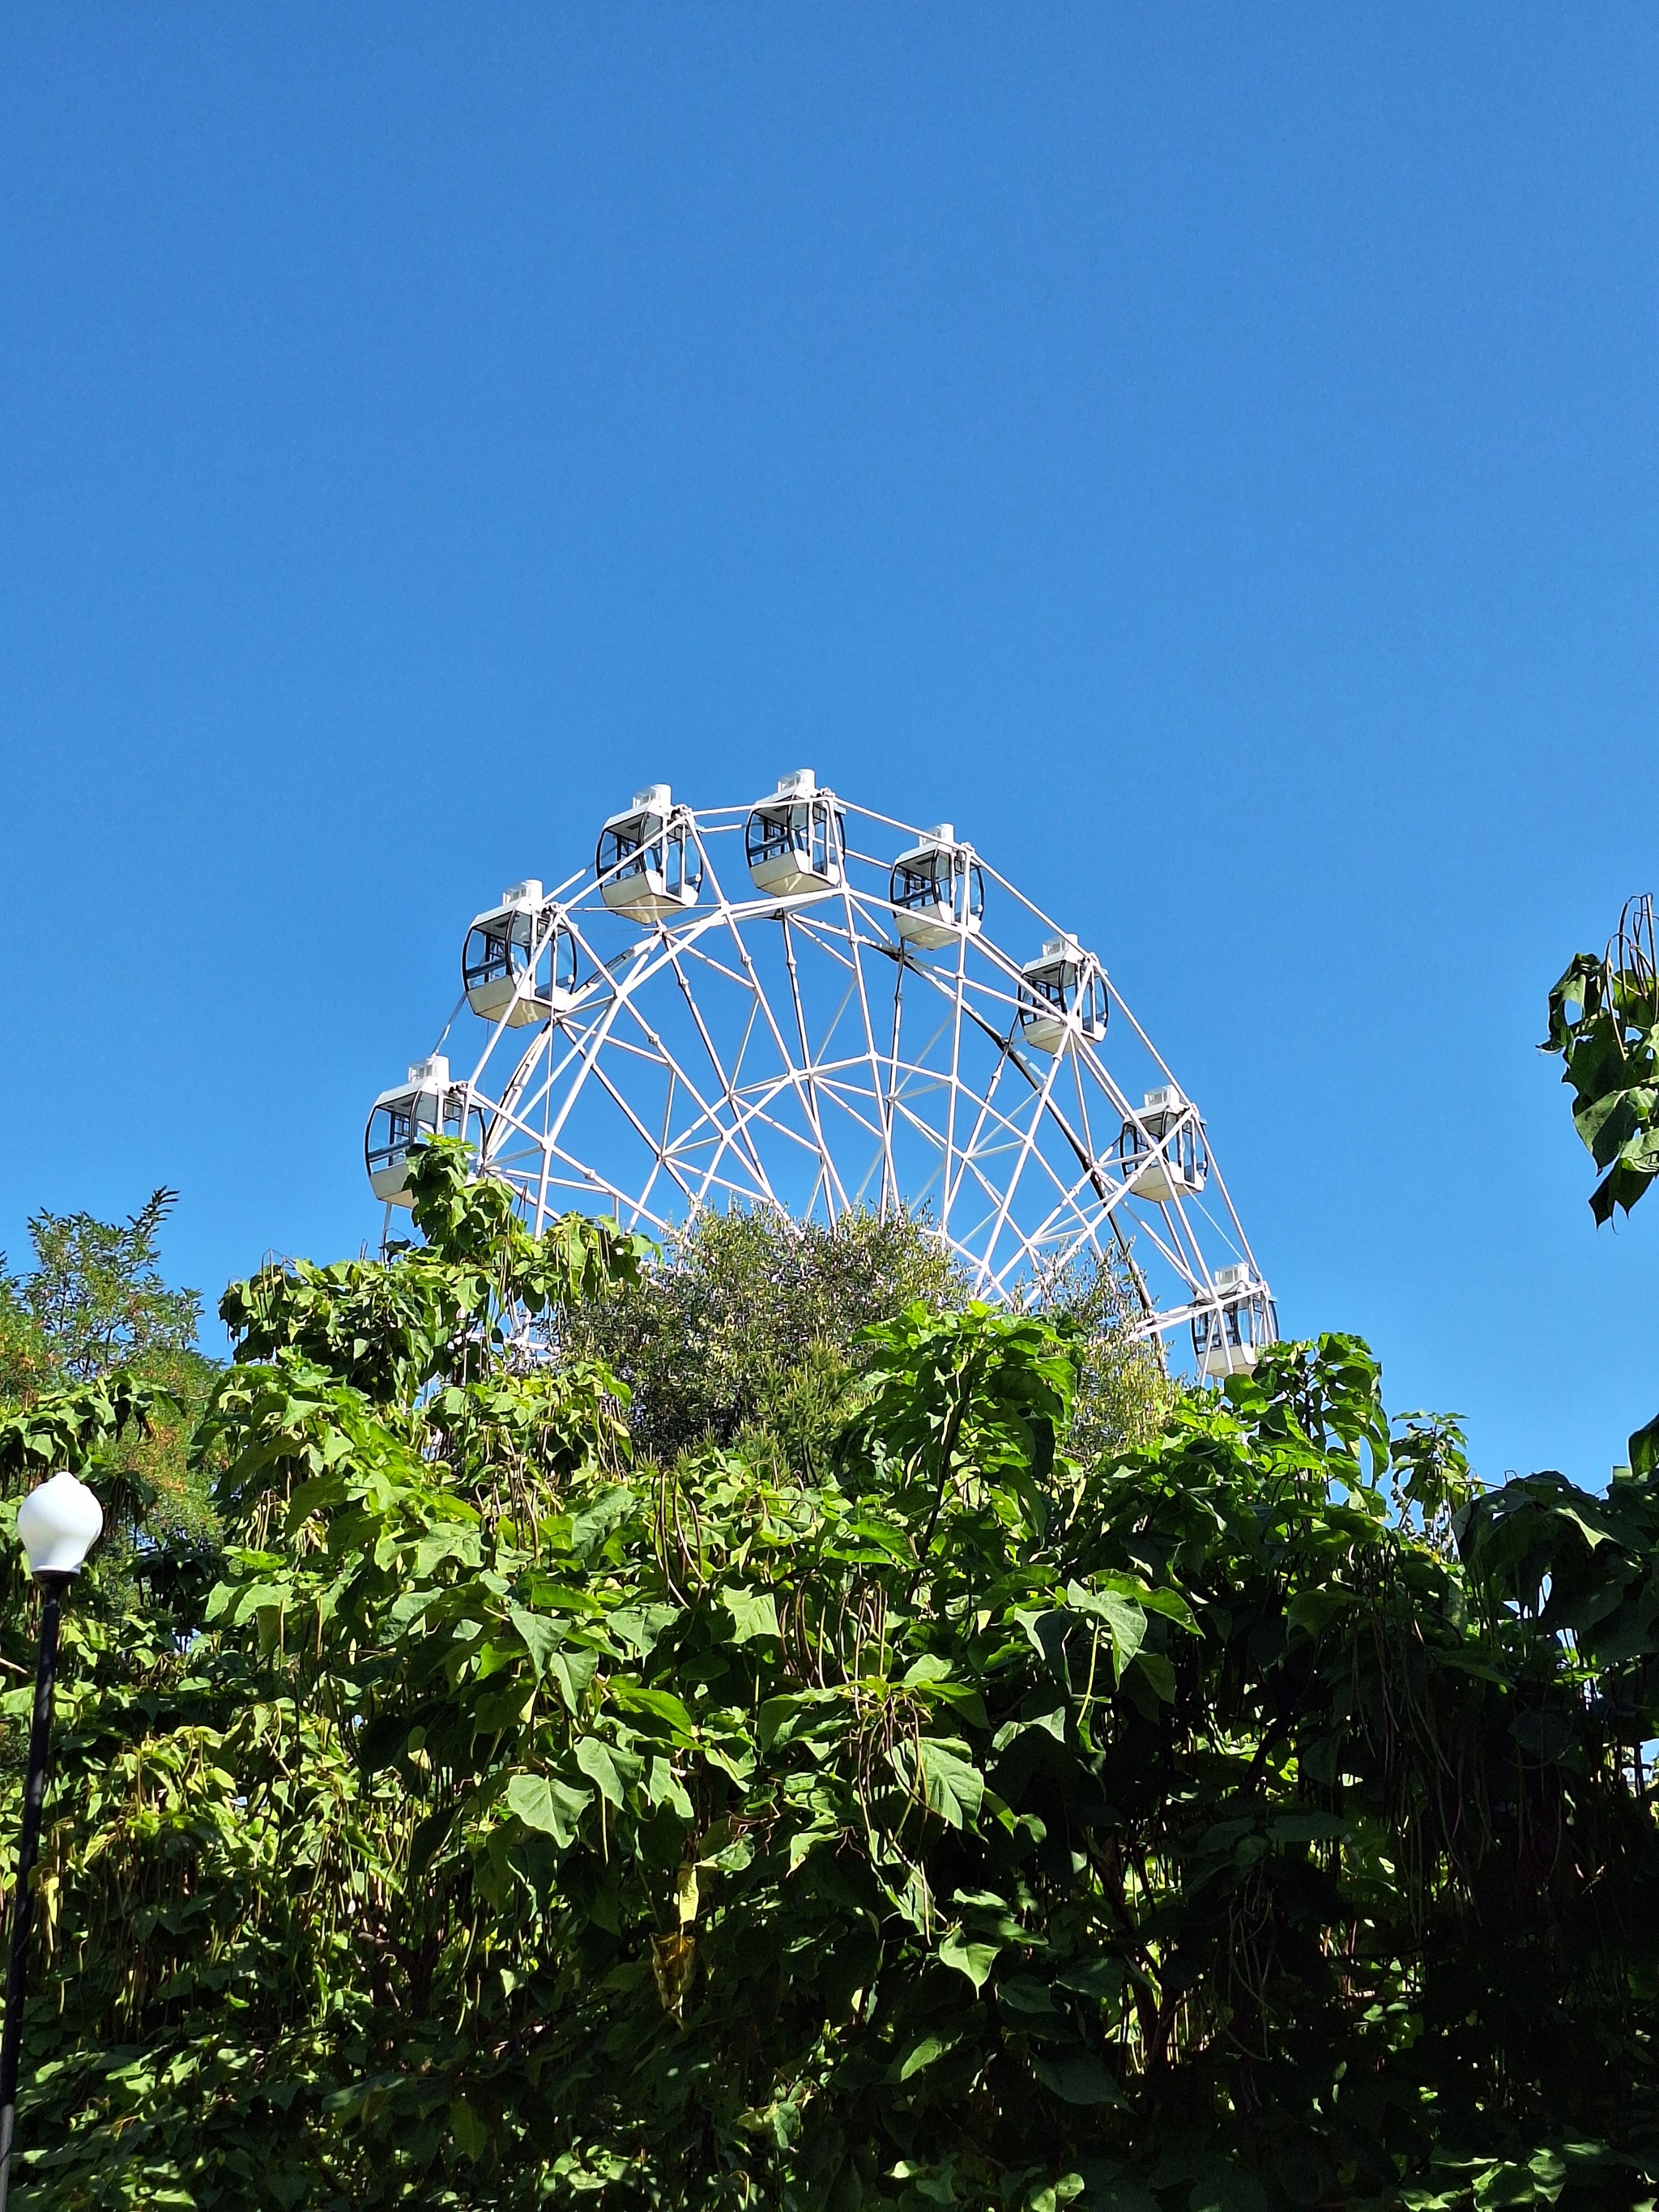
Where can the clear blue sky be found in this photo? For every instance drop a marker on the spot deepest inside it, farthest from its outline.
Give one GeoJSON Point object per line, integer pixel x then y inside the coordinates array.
{"type": "Point", "coordinates": [1209, 453]}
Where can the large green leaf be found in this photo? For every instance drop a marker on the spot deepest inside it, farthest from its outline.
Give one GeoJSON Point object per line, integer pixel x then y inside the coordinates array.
{"type": "Point", "coordinates": [951, 1785]}
{"type": "Point", "coordinates": [543, 1802]}
{"type": "Point", "coordinates": [754, 1613]}
{"type": "Point", "coordinates": [1076, 2076]}
{"type": "Point", "coordinates": [970, 1957]}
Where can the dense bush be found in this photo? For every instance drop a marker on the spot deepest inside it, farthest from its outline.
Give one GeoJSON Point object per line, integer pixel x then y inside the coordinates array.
{"type": "Point", "coordinates": [1253, 1814]}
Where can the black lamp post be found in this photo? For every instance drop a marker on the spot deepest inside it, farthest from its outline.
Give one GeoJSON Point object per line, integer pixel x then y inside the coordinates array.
{"type": "Point", "coordinates": [58, 1524]}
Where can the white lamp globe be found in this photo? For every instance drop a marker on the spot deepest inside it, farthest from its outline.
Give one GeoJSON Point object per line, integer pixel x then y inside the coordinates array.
{"type": "Point", "coordinates": [57, 1524]}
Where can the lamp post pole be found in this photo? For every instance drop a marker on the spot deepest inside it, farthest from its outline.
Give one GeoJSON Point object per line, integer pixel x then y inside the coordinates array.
{"type": "Point", "coordinates": [22, 1913]}
{"type": "Point", "coordinates": [58, 1523]}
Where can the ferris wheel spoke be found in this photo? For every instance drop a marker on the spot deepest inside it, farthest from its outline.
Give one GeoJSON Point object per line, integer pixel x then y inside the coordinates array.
{"type": "Point", "coordinates": [997, 1136]}
{"type": "Point", "coordinates": [1069, 1213]}
{"type": "Point", "coordinates": [1234, 1228]}
{"type": "Point", "coordinates": [739, 1061]}
{"type": "Point", "coordinates": [987, 1110]}
{"type": "Point", "coordinates": [893, 1060]}
{"type": "Point", "coordinates": [713, 1143]}
{"type": "Point", "coordinates": [872, 1125]}
{"type": "Point", "coordinates": [739, 1131]}
{"type": "Point", "coordinates": [663, 1163]}
{"type": "Point", "coordinates": [735, 1077]}
{"type": "Point", "coordinates": [838, 940]}
{"type": "Point", "coordinates": [1026, 1149]}
{"type": "Point", "coordinates": [669, 1062]}
{"type": "Point", "coordinates": [758, 1101]}
{"type": "Point", "coordinates": [567, 1172]}
{"type": "Point", "coordinates": [1228, 1231]}
{"type": "Point", "coordinates": [1182, 1247]}
{"type": "Point", "coordinates": [587, 1057]}
{"type": "Point", "coordinates": [714, 1137]}
{"type": "Point", "coordinates": [658, 1166]}
{"type": "Point", "coordinates": [957, 997]}
{"type": "Point", "coordinates": [873, 1054]}
{"type": "Point", "coordinates": [1089, 1151]}
{"type": "Point", "coordinates": [505, 1114]}
{"type": "Point", "coordinates": [919, 1059]}
{"type": "Point", "coordinates": [1167, 1247]}
{"type": "Point", "coordinates": [704, 958]}
{"type": "Point", "coordinates": [799, 1077]}
{"type": "Point", "coordinates": [809, 1089]}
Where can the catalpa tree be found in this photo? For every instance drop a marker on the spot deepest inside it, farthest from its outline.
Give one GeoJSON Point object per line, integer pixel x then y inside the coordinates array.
{"type": "Point", "coordinates": [897, 1806]}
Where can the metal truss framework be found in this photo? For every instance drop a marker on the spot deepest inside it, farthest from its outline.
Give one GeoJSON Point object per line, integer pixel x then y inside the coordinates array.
{"type": "Point", "coordinates": [798, 1053]}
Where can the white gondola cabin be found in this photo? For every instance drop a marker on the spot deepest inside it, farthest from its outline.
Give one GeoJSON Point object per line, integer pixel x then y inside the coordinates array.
{"type": "Point", "coordinates": [1063, 997]}
{"type": "Point", "coordinates": [937, 890]}
{"type": "Point", "coordinates": [1229, 1337]}
{"type": "Point", "coordinates": [648, 863]}
{"type": "Point", "coordinates": [793, 841]}
{"type": "Point", "coordinates": [427, 1105]}
{"type": "Point", "coordinates": [1161, 1153]}
{"type": "Point", "coordinates": [520, 960]}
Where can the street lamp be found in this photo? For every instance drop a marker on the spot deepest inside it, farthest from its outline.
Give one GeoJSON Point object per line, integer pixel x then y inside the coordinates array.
{"type": "Point", "coordinates": [59, 1522]}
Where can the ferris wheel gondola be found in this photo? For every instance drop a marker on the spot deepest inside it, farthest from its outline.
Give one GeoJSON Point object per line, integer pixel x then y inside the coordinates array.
{"type": "Point", "coordinates": [937, 890]}
{"type": "Point", "coordinates": [647, 862]}
{"type": "Point", "coordinates": [1064, 997]}
{"type": "Point", "coordinates": [520, 960]}
{"type": "Point", "coordinates": [427, 1104]}
{"type": "Point", "coordinates": [1228, 1337]}
{"type": "Point", "coordinates": [1160, 1149]}
{"type": "Point", "coordinates": [793, 841]}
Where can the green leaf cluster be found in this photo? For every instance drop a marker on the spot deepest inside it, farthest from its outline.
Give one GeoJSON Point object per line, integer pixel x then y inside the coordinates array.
{"type": "Point", "coordinates": [1604, 1023]}
{"type": "Point", "coordinates": [1256, 1816]}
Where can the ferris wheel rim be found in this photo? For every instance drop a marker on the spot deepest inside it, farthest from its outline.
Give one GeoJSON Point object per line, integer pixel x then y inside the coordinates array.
{"type": "Point", "coordinates": [590, 1031]}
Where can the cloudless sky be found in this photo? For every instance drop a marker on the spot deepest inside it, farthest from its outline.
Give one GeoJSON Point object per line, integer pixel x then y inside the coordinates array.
{"type": "Point", "coordinates": [1208, 453]}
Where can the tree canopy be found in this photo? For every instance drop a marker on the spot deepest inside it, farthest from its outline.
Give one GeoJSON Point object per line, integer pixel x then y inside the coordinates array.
{"type": "Point", "coordinates": [95, 1307]}
{"type": "Point", "coordinates": [1249, 1813]}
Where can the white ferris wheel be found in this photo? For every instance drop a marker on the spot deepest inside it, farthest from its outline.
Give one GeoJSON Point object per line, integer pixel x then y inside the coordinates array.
{"type": "Point", "coordinates": [805, 1006]}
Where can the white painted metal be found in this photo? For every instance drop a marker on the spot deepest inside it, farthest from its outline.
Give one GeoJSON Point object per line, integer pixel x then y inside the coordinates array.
{"type": "Point", "coordinates": [727, 1042]}
{"type": "Point", "coordinates": [937, 890]}
{"type": "Point", "coordinates": [519, 961]}
{"type": "Point", "coordinates": [1231, 1341]}
{"type": "Point", "coordinates": [644, 862]}
{"type": "Point", "coordinates": [794, 840]}
{"type": "Point", "coordinates": [1161, 1151]}
{"type": "Point", "coordinates": [427, 1103]}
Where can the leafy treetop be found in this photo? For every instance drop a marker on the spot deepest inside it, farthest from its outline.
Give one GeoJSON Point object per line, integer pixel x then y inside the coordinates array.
{"type": "Point", "coordinates": [94, 1314]}
{"type": "Point", "coordinates": [1252, 1816]}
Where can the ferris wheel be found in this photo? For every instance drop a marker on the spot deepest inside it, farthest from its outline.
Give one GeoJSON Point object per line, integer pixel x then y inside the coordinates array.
{"type": "Point", "coordinates": [803, 1005]}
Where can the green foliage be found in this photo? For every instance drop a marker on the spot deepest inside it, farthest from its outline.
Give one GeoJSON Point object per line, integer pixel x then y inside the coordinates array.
{"type": "Point", "coordinates": [749, 1321]}
{"type": "Point", "coordinates": [1253, 1817]}
{"type": "Point", "coordinates": [93, 1309]}
{"type": "Point", "coordinates": [1123, 1395]}
{"type": "Point", "coordinates": [95, 1295]}
{"type": "Point", "coordinates": [1604, 1021]}
{"type": "Point", "coordinates": [747, 1330]}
